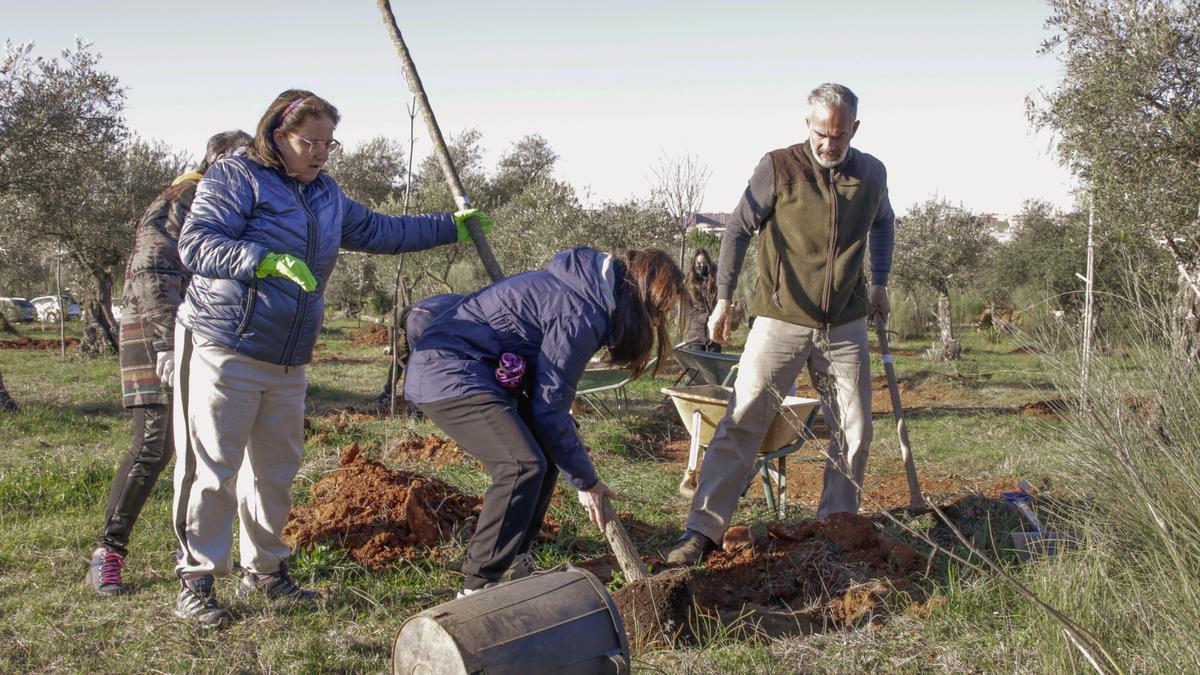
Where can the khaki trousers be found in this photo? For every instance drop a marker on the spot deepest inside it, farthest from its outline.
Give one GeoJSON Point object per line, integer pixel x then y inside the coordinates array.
{"type": "Point", "coordinates": [776, 351]}
{"type": "Point", "coordinates": [232, 410]}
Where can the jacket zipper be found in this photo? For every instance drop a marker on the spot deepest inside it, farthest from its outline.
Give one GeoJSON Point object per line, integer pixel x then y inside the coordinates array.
{"type": "Point", "coordinates": [311, 246]}
{"type": "Point", "coordinates": [241, 329]}
{"type": "Point", "coordinates": [833, 234]}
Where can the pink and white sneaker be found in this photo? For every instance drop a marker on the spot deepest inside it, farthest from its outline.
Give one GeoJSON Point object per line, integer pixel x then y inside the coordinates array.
{"type": "Point", "coordinates": [104, 572]}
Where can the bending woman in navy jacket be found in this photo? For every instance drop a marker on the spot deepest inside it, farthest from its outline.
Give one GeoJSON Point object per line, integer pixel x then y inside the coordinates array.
{"type": "Point", "coordinates": [261, 240]}
{"type": "Point", "coordinates": [498, 370]}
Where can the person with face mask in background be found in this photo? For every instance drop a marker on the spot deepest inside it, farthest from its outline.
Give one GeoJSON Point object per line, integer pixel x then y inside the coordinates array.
{"type": "Point", "coordinates": [817, 207]}
{"type": "Point", "coordinates": [261, 241]}
{"type": "Point", "coordinates": [701, 285]}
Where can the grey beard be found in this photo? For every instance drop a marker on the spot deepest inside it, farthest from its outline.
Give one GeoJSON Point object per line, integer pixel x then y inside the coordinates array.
{"type": "Point", "coordinates": [822, 162]}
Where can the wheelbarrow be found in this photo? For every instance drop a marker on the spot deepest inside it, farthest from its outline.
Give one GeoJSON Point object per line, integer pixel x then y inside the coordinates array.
{"type": "Point", "coordinates": [701, 408]}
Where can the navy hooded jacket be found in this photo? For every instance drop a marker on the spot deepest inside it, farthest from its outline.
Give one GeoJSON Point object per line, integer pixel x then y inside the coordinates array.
{"type": "Point", "coordinates": [243, 211]}
{"type": "Point", "coordinates": [555, 319]}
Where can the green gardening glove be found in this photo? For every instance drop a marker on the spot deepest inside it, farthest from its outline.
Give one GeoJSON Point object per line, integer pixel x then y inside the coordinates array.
{"type": "Point", "coordinates": [461, 218]}
{"type": "Point", "coordinates": [287, 266]}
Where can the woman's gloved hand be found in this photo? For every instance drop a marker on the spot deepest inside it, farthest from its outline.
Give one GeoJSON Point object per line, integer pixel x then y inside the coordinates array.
{"type": "Point", "coordinates": [461, 218]}
{"type": "Point", "coordinates": [719, 329]}
{"type": "Point", "coordinates": [164, 367]}
{"type": "Point", "coordinates": [593, 502]}
{"type": "Point", "coordinates": [287, 266]}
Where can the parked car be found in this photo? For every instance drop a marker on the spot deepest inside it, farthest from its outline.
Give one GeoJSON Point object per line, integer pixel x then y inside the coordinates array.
{"type": "Point", "coordinates": [17, 309]}
{"type": "Point", "coordinates": [48, 308]}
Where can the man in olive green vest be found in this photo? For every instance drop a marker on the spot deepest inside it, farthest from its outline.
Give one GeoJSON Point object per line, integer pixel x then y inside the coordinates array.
{"type": "Point", "coordinates": [817, 207]}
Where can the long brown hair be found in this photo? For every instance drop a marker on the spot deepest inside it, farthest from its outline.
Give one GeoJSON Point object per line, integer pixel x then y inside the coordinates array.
{"type": "Point", "coordinates": [287, 112]}
{"type": "Point", "coordinates": [701, 289]}
{"type": "Point", "coordinates": [649, 284]}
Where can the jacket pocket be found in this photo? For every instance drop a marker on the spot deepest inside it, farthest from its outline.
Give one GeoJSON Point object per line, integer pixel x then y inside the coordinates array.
{"type": "Point", "coordinates": [251, 299]}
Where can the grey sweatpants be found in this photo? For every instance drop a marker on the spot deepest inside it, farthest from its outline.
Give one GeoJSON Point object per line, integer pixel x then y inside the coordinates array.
{"type": "Point", "coordinates": [231, 409]}
{"type": "Point", "coordinates": [776, 352]}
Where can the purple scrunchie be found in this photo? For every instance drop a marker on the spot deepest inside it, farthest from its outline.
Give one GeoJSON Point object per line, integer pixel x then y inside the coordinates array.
{"type": "Point", "coordinates": [511, 370]}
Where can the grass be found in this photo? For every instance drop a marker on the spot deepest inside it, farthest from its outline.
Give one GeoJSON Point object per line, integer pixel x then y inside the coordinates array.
{"type": "Point", "coordinates": [58, 453]}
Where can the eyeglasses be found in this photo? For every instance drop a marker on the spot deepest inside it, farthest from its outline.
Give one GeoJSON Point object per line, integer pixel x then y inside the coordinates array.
{"type": "Point", "coordinates": [331, 145]}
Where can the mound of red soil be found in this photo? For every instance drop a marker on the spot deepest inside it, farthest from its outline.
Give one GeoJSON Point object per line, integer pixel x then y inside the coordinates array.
{"type": "Point", "coordinates": [25, 342]}
{"type": "Point", "coordinates": [371, 335]}
{"type": "Point", "coordinates": [378, 515]}
{"type": "Point", "coordinates": [429, 449]}
{"type": "Point", "coordinates": [1049, 409]}
{"type": "Point", "coordinates": [831, 573]}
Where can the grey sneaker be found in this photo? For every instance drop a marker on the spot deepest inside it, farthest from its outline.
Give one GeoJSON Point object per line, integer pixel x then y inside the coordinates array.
{"type": "Point", "coordinates": [276, 585]}
{"type": "Point", "coordinates": [197, 602]}
{"type": "Point", "coordinates": [104, 572]}
{"type": "Point", "coordinates": [521, 567]}
{"type": "Point", "coordinates": [690, 548]}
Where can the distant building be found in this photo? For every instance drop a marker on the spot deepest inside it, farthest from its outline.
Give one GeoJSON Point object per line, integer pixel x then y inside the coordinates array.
{"type": "Point", "coordinates": [712, 223]}
{"type": "Point", "coordinates": [1002, 227]}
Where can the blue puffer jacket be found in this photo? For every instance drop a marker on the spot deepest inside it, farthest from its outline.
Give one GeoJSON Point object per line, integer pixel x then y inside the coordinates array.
{"type": "Point", "coordinates": [244, 211]}
{"type": "Point", "coordinates": [554, 318]}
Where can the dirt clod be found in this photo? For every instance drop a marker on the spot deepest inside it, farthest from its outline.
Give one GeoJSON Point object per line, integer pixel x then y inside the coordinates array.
{"type": "Point", "coordinates": [429, 449]}
{"type": "Point", "coordinates": [1050, 409]}
{"type": "Point", "coordinates": [850, 531]}
{"type": "Point", "coordinates": [377, 514]}
{"type": "Point", "coordinates": [370, 335]}
{"type": "Point", "coordinates": [737, 538]}
{"type": "Point", "coordinates": [656, 610]}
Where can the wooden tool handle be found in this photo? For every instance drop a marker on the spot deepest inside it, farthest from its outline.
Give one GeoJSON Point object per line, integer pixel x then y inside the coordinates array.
{"type": "Point", "coordinates": [439, 143]}
{"type": "Point", "coordinates": [915, 498]}
{"type": "Point", "coordinates": [622, 546]}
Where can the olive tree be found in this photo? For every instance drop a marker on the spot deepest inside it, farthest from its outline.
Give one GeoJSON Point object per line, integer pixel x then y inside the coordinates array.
{"type": "Point", "coordinates": [940, 246]}
{"type": "Point", "coordinates": [1127, 116]}
{"type": "Point", "coordinates": [71, 172]}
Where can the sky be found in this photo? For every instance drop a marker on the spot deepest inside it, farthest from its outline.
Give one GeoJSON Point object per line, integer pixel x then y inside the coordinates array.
{"type": "Point", "coordinates": [613, 86]}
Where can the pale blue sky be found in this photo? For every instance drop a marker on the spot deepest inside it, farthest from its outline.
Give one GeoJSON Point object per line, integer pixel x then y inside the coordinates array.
{"type": "Point", "coordinates": [611, 85]}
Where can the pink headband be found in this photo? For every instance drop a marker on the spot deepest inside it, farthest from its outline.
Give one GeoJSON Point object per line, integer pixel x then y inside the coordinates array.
{"type": "Point", "coordinates": [291, 107]}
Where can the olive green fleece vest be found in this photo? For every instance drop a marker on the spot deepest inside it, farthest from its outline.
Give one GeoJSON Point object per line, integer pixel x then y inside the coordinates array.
{"type": "Point", "coordinates": [812, 246]}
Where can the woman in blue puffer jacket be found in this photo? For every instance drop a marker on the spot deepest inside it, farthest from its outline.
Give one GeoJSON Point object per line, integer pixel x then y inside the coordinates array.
{"type": "Point", "coordinates": [497, 371]}
{"type": "Point", "coordinates": [261, 241]}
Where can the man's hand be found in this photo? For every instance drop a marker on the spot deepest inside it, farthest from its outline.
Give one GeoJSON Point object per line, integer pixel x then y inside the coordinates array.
{"type": "Point", "coordinates": [461, 218]}
{"type": "Point", "coordinates": [719, 324]}
{"type": "Point", "coordinates": [593, 502]}
{"type": "Point", "coordinates": [287, 266]}
{"type": "Point", "coordinates": [165, 368]}
{"type": "Point", "coordinates": [877, 298]}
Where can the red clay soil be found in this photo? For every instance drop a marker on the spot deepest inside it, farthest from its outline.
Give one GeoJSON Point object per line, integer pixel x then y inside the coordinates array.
{"type": "Point", "coordinates": [1049, 409]}
{"type": "Point", "coordinates": [25, 342]}
{"type": "Point", "coordinates": [370, 335]}
{"type": "Point", "coordinates": [377, 514]}
{"type": "Point", "coordinates": [431, 449]}
{"type": "Point", "coordinates": [885, 485]}
{"type": "Point", "coordinates": [798, 577]}
{"type": "Point", "coordinates": [926, 395]}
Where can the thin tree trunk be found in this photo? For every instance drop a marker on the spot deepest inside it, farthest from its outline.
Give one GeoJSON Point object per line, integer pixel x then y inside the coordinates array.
{"type": "Point", "coordinates": [946, 348]}
{"type": "Point", "coordinates": [7, 404]}
{"type": "Point", "coordinates": [1187, 317]}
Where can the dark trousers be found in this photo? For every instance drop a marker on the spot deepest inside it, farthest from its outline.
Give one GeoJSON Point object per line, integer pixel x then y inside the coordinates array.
{"type": "Point", "coordinates": [151, 452]}
{"type": "Point", "coordinates": [497, 431]}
